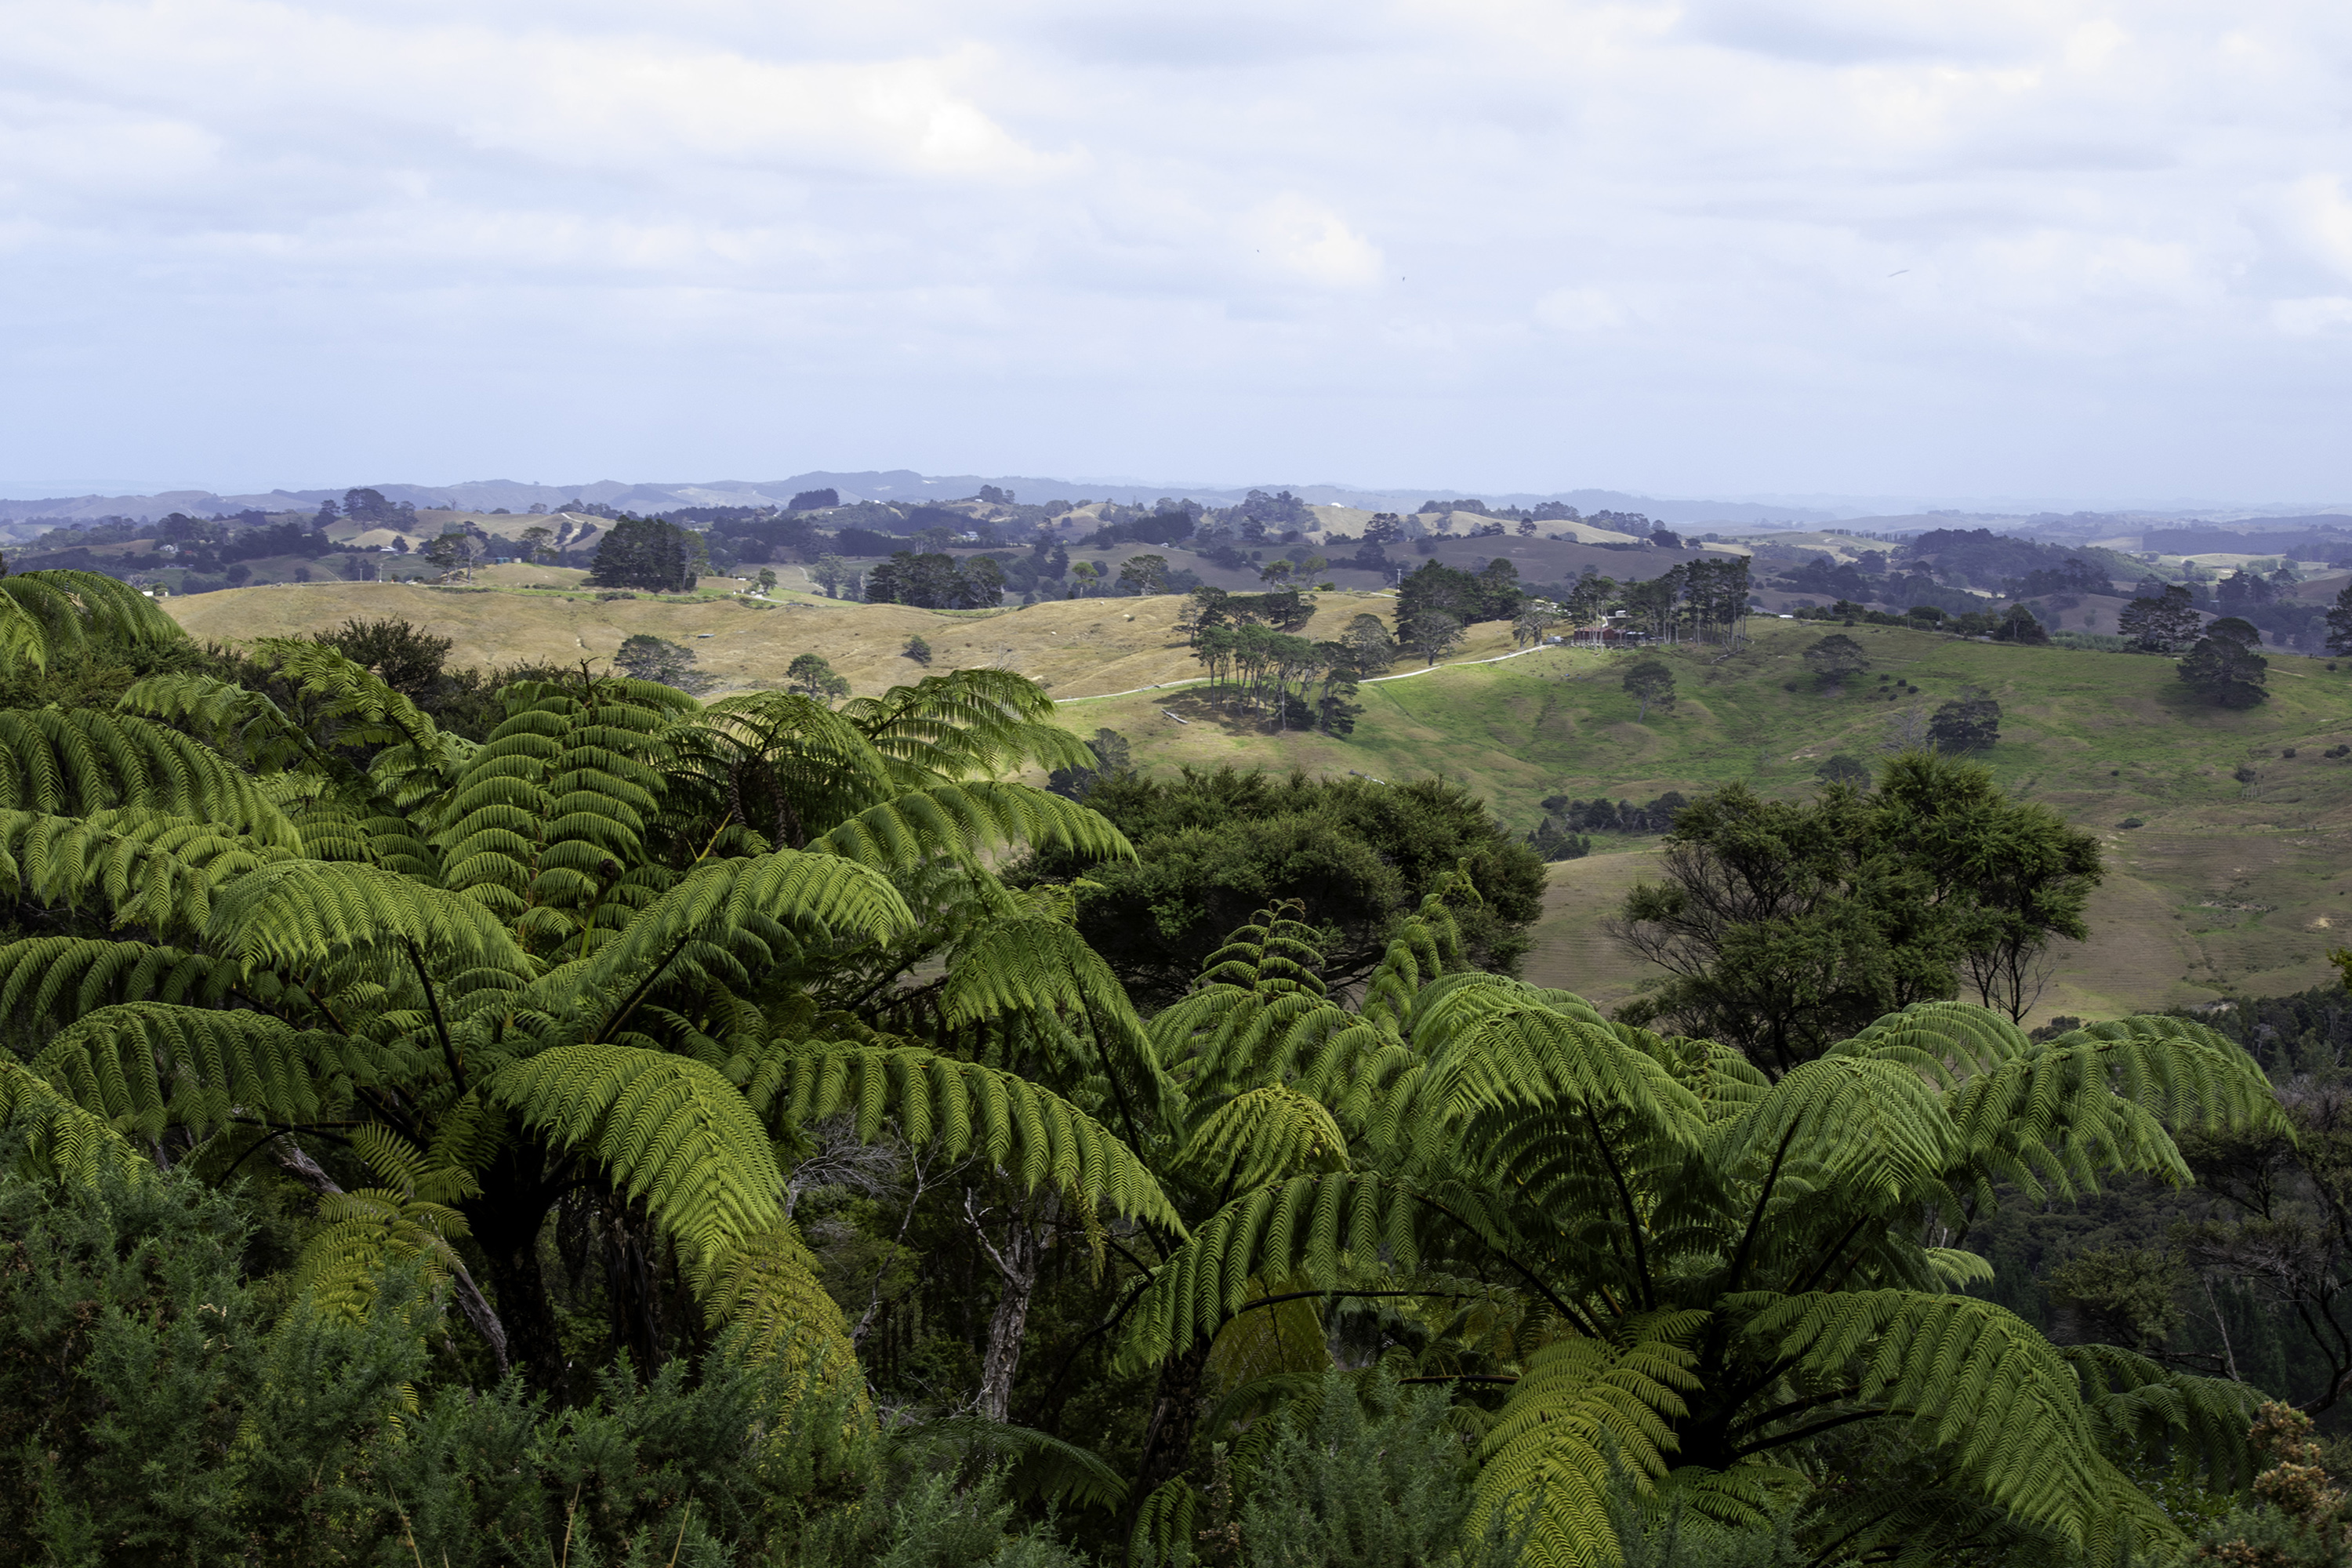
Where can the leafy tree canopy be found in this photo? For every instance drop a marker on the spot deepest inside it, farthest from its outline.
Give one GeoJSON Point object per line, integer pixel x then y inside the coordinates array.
{"type": "Point", "coordinates": [1213, 847]}
{"type": "Point", "coordinates": [644, 553]}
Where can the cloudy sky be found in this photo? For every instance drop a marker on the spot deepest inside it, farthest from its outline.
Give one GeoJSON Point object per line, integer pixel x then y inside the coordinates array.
{"type": "Point", "coordinates": [1966, 248]}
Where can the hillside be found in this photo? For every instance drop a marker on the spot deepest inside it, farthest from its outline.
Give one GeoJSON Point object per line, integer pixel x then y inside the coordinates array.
{"type": "Point", "coordinates": [2226, 886]}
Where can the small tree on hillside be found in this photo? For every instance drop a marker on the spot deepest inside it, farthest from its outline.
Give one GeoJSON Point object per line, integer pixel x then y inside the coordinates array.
{"type": "Point", "coordinates": [919, 650]}
{"type": "Point", "coordinates": [1842, 769]}
{"type": "Point", "coordinates": [767, 581]}
{"type": "Point", "coordinates": [2224, 668]}
{"type": "Point", "coordinates": [1534, 618]}
{"type": "Point", "coordinates": [1834, 658]}
{"type": "Point", "coordinates": [812, 676]}
{"type": "Point", "coordinates": [1652, 684]}
{"type": "Point", "coordinates": [1144, 574]}
{"type": "Point", "coordinates": [1969, 725]}
{"type": "Point", "coordinates": [647, 658]}
{"type": "Point", "coordinates": [394, 651]}
{"type": "Point", "coordinates": [1432, 634]}
{"type": "Point", "coordinates": [2339, 623]}
{"type": "Point", "coordinates": [2164, 623]}
{"type": "Point", "coordinates": [1368, 637]}
{"type": "Point", "coordinates": [2018, 625]}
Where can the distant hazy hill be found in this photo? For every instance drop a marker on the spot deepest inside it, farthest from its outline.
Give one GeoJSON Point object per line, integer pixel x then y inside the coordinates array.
{"type": "Point", "coordinates": [890, 485]}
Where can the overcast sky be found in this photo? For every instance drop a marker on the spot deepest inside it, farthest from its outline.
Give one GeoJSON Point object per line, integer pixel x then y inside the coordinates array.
{"type": "Point", "coordinates": [1970, 248]}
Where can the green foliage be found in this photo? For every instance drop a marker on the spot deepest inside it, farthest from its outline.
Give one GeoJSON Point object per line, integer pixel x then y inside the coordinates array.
{"type": "Point", "coordinates": [2224, 668]}
{"type": "Point", "coordinates": [1214, 846]}
{"type": "Point", "coordinates": [1652, 684]}
{"type": "Point", "coordinates": [647, 658]}
{"type": "Point", "coordinates": [644, 553]}
{"type": "Point", "coordinates": [1969, 723]}
{"type": "Point", "coordinates": [1834, 657]}
{"type": "Point", "coordinates": [1783, 925]}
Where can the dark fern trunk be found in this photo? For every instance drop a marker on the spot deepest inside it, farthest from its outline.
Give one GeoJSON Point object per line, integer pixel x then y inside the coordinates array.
{"type": "Point", "coordinates": [1168, 1437]}
{"type": "Point", "coordinates": [506, 1220]}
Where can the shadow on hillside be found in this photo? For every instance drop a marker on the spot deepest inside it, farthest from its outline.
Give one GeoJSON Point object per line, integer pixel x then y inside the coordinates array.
{"type": "Point", "coordinates": [1232, 711]}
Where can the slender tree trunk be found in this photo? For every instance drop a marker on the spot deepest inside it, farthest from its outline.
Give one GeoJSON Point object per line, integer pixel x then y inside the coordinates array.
{"type": "Point", "coordinates": [1016, 1264]}
{"type": "Point", "coordinates": [1168, 1437]}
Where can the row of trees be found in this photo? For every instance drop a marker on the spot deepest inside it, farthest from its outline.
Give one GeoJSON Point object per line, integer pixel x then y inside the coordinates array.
{"type": "Point", "coordinates": [647, 1095]}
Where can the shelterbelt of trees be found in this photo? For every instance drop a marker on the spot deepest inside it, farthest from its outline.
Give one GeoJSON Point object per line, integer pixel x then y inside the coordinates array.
{"type": "Point", "coordinates": [526, 1148]}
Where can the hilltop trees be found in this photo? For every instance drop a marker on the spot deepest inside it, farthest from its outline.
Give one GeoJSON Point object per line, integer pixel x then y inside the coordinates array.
{"type": "Point", "coordinates": [1431, 633]}
{"type": "Point", "coordinates": [647, 658]}
{"type": "Point", "coordinates": [644, 553]}
{"type": "Point", "coordinates": [2224, 668]}
{"type": "Point", "coordinates": [1970, 722]}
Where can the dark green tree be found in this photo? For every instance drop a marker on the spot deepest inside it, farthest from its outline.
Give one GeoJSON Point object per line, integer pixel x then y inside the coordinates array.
{"type": "Point", "coordinates": [397, 652]}
{"type": "Point", "coordinates": [2224, 668]}
{"type": "Point", "coordinates": [1432, 634]}
{"type": "Point", "coordinates": [1842, 769]}
{"type": "Point", "coordinates": [1783, 926]}
{"type": "Point", "coordinates": [1969, 723]}
{"type": "Point", "coordinates": [644, 553]}
{"type": "Point", "coordinates": [2019, 625]}
{"type": "Point", "coordinates": [1370, 640]}
{"type": "Point", "coordinates": [1651, 684]}
{"type": "Point", "coordinates": [917, 649]}
{"type": "Point", "coordinates": [647, 658]}
{"type": "Point", "coordinates": [1834, 658]}
{"type": "Point", "coordinates": [2165, 621]}
{"type": "Point", "coordinates": [2339, 623]}
{"type": "Point", "coordinates": [1213, 847]}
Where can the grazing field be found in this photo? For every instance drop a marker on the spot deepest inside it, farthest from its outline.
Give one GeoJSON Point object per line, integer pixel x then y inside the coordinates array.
{"type": "Point", "coordinates": [2227, 885]}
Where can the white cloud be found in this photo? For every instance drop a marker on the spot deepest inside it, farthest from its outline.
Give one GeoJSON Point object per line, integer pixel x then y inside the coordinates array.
{"type": "Point", "coordinates": [1724, 244]}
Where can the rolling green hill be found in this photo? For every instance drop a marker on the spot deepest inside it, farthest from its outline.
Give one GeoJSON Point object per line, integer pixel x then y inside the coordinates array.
{"type": "Point", "coordinates": [2226, 887]}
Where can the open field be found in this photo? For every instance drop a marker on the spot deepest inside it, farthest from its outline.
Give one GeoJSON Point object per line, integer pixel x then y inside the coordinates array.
{"type": "Point", "coordinates": [2226, 887]}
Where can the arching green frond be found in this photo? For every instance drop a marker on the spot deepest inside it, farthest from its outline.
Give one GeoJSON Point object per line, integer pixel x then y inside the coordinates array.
{"type": "Point", "coordinates": [1164, 1527]}
{"type": "Point", "coordinates": [297, 915]}
{"type": "Point", "coordinates": [1947, 1041]}
{"type": "Point", "coordinates": [964, 820]}
{"type": "Point", "coordinates": [1493, 1042]}
{"type": "Point", "coordinates": [1266, 1134]}
{"type": "Point", "coordinates": [672, 1132]}
{"type": "Point", "coordinates": [1319, 1228]}
{"type": "Point", "coordinates": [362, 1233]}
{"type": "Point", "coordinates": [1580, 1409]}
{"type": "Point", "coordinates": [45, 614]}
{"type": "Point", "coordinates": [2100, 1099]}
{"type": "Point", "coordinates": [1040, 1465]}
{"type": "Point", "coordinates": [2139, 1407]}
{"type": "Point", "coordinates": [765, 1290]}
{"type": "Point", "coordinates": [138, 866]}
{"type": "Point", "coordinates": [353, 698]}
{"type": "Point", "coordinates": [74, 762]}
{"type": "Point", "coordinates": [46, 981]}
{"type": "Point", "coordinates": [1976, 1384]}
{"type": "Point", "coordinates": [61, 1141]}
{"type": "Point", "coordinates": [1032, 1134]}
{"type": "Point", "coordinates": [146, 1066]}
{"type": "Point", "coordinates": [1869, 1127]}
{"type": "Point", "coordinates": [965, 723]}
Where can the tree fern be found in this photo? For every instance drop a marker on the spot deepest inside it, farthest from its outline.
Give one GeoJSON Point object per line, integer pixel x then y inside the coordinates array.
{"type": "Point", "coordinates": [45, 614]}
{"type": "Point", "coordinates": [58, 1140]}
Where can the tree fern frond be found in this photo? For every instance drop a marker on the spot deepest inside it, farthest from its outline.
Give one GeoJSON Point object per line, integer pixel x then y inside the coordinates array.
{"type": "Point", "coordinates": [1039, 1465]}
{"type": "Point", "coordinates": [1977, 1384]}
{"type": "Point", "coordinates": [672, 1133]}
{"type": "Point", "coordinates": [145, 1066]}
{"type": "Point", "coordinates": [964, 820]}
{"type": "Point", "coordinates": [765, 1290]}
{"type": "Point", "coordinates": [1870, 1126]}
{"type": "Point", "coordinates": [140, 866]}
{"type": "Point", "coordinates": [1580, 1409]}
{"type": "Point", "coordinates": [1269, 1133]}
{"type": "Point", "coordinates": [74, 762]}
{"type": "Point", "coordinates": [2102, 1097]}
{"type": "Point", "coordinates": [45, 614]}
{"type": "Point", "coordinates": [1033, 1135]}
{"type": "Point", "coordinates": [61, 1139]}
{"type": "Point", "coordinates": [1316, 1227]}
{"type": "Point", "coordinates": [296, 915]}
{"type": "Point", "coordinates": [46, 981]}
{"type": "Point", "coordinates": [362, 1233]}
{"type": "Point", "coordinates": [2137, 1406]}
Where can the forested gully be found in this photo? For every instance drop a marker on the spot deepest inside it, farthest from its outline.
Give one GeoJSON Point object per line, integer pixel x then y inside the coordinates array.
{"type": "Point", "coordinates": [592, 1125]}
